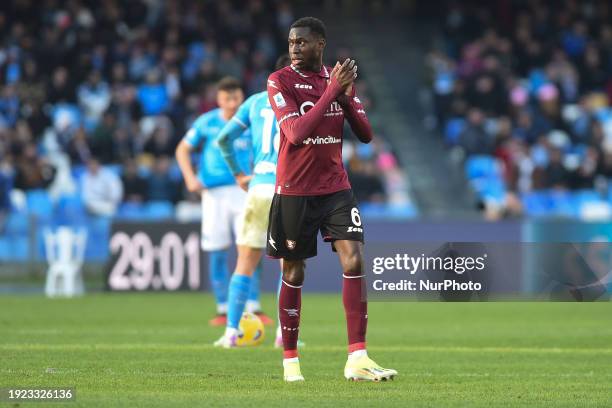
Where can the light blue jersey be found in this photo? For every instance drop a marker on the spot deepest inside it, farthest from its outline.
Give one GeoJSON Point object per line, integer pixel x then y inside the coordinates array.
{"type": "Point", "coordinates": [256, 115]}
{"type": "Point", "coordinates": [212, 169]}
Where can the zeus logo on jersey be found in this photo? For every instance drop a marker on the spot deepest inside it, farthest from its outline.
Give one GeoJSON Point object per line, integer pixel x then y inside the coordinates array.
{"type": "Point", "coordinates": [303, 86]}
{"type": "Point", "coordinates": [322, 140]}
{"type": "Point", "coordinates": [279, 101]}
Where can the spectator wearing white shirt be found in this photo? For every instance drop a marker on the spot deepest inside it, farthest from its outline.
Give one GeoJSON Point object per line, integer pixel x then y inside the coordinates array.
{"type": "Point", "coordinates": [102, 190]}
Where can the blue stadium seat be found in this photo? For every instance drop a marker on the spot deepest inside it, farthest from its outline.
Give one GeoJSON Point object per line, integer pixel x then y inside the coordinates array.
{"type": "Point", "coordinates": [493, 189]}
{"type": "Point", "coordinates": [78, 171]}
{"type": "Point", "coordinates": [175, 173]}
{"type": "Point", "coordinates": [561, 203]}
{"type": "Point", "coordinates": [115, 168]}
{"type": "Point", "coordinates": [70, 209]}
{"type": "Point", "coordinates": [482, 166]}
{"type": "Point", "coordinates": [17, 223]}
{"type": "Point", "coordinates": [585, 196]}
{"type": "Point", "coordinates": [98, 232]}
{"type": "Point", "coordinates": [536, 203]}
{"type": "Point", "coordinates": [453, 130]}
{"type": "Point", "coordinates": [5, 248]}
{"type": "Point", "coordinates": [131, 212]}
{"type": "Point", "coordinates": [39, 203]}
{"type": "Point", "coordinates": [159, 210]}
{"type": "Point", "coordinates": [19, 248]}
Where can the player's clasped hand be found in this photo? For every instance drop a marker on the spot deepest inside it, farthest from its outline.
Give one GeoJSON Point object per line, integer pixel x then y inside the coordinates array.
{"type": "Point", "coordinates": [346, 73]}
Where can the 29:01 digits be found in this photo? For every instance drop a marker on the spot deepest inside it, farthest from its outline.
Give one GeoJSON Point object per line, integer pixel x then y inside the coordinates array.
{"type": "Point", "coordinates": [135, 266]}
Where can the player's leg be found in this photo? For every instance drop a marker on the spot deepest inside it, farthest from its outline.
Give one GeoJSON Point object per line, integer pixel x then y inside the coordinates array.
{"type": "Point", "coordinates": [278, 342]}
{"type": "Point", "coordinates": [292, 229]}
{"type": "Point", "coordinates": [239, 287]}
{"type": "Point", "coordinates": [359, 367]}
{"type": "Point", "coordinates": [289, 309]}
{"type": "Point", "coordinates": [343, 228]}
{"type": "Point", "coordinates": [216, 238]}
{"type": "Point", "coordinates": [253, 304]}
{"type": "Point", "coordinates": [249, 211]}
{"type": "Point", "coordinates": [219, 279]}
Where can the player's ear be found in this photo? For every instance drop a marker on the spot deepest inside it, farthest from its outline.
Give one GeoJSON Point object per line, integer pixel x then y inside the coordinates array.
{"type": "Point", "coordinates": [322, 43]}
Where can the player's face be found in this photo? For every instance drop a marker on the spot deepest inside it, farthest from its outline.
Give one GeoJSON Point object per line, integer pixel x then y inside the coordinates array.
{"type": "Point", "coordinates": [229, 101]}
{"type": "Point", "coordinates": [305, 48]}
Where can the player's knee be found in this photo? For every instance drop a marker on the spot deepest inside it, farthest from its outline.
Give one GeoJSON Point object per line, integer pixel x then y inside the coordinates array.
{"type": "Point", "coordinates": [352, 264]}
{"type": "Point", "coordinates": [293, 272]}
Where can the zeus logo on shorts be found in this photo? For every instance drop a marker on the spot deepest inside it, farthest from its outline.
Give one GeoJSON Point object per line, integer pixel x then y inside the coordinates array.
{"type": "Point", "coordinates": [290, 244]}
{"type": "Point", "coordinates": [354, 229]}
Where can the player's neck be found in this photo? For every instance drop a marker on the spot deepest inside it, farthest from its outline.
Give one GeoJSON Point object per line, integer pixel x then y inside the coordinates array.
{"type": "Point", "coordinates": [226, 115]}
{"type": "Point", "coordinates": [315, 67]}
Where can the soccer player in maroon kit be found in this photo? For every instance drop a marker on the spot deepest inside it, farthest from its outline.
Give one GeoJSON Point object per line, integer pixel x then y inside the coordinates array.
{"type": "Point", "coordinates": [313, 193]}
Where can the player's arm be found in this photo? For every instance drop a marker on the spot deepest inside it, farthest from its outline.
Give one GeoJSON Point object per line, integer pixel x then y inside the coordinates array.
{"type": "Point", "coordinates": [183, 158]}
{"type": "Point", "coordinates": [295, 127]}
{"type": "Point", "coordinates": [355, 114]}
{"type": "Point", "coordinates": [230, 132]}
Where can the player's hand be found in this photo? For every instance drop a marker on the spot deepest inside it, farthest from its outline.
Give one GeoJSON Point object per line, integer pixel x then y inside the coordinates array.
{"type": "Point", "coordinates": [194, 185]}
{"type": "Point", "coordinates": [345, 74]}
{"type": "Point", "coordinates": [243, 181]}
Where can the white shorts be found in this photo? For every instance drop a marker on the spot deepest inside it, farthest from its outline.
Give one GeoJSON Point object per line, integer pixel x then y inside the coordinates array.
{"type": "Point", "coordinates": [254, 230]}
{"type": "Point", "coordinates": [222, 209]}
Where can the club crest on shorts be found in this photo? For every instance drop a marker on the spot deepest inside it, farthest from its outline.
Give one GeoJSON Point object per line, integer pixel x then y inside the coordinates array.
{"type": "Point", "coordinates": [290, 244]}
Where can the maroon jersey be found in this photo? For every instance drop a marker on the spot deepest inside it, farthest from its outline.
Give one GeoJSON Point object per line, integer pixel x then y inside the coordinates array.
{"type": "Point", "coordinates": [310, 109]}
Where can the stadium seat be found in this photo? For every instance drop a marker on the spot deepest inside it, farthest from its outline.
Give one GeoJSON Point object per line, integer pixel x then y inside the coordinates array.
{"type": "Point", "coordinates": [98, 232]}
{"type": "Point", "coordinates": [115, 168]}
{"type": "Point", "coordinates": [19, 248]}
{"type": "Point", "coordinates": [5, 248]}
{"type": "Point", "coordinates": [561, 203]}
{"type": "Point", "coordinates": [159, 210]}
{"type": "Point", "coordinates": [70, 210]}
{"type": "Point", "coordinates": [131, 212]}
{"type": "Point", "coordinates": [536, 203]}
{"type": "Point", "coordinates": [39, 203]}
{"type": "Point", "coordinates": [17, 223]}
{"type": "Point", "coordinates": [482, 166]}
{"type": "Point", "coordinates": [453, 130]}
{"type": "Point", "coordinates": [78, 171]}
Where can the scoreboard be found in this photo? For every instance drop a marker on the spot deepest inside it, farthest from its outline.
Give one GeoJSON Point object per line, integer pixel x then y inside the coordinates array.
{"type": "Point", "coordinates": [154, 257]}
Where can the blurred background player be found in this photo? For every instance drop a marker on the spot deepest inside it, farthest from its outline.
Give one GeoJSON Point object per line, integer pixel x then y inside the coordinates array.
{"type": "Point", "coordinates": [257, 115]}
{"type": "Point", "coordinates": [222, 200]}
{"type": "Point", "coordinates": [313, 192]}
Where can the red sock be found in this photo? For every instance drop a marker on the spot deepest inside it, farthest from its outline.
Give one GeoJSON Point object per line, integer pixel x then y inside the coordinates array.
{"type": "Point", "coordinates": [289, 309]}
{"type": "Point", "coordinates": [355, 302]}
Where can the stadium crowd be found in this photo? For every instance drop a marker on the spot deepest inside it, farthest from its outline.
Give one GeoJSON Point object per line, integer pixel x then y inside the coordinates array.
{"type": "Point", "coordinates": [95, 95]}
{"type": "Point", "coordinates": [528, 83]}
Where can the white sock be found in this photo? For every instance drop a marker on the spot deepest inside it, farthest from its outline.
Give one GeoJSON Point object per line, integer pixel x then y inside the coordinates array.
{"type": "Point", "coordinates": [357, 354]}
{"type": "Point", "coordinates": [252, 306]}
{"type": "Point", "coordinates": [222, 308]}
{"type": "Point", "coordinates": [230, 331]}
{"type": "Point", "coordinates": [290, 360]}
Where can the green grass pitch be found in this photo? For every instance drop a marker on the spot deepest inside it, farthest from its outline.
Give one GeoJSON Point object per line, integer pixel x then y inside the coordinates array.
{"type": "Point", "coordinates": [150, 350]}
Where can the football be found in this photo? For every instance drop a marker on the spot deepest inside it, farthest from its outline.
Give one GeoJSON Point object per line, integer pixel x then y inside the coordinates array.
{"type": "Point", "coordinates": [251, 330]}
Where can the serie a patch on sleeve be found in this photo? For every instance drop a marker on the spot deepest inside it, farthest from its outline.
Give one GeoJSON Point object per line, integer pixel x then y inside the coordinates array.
{"type": "Point", "coordinates": [279, 101]}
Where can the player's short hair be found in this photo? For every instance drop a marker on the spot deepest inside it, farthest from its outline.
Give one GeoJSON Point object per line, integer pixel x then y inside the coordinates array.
{"type": "Point", "coordinates": [228, 84]}
{"type": "Point", "coordinates": [282, 62]}
{"type": "Point", "coordinates": [316, 26]}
